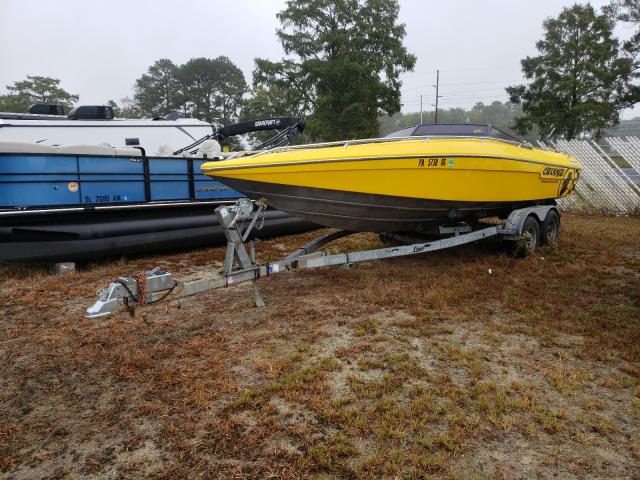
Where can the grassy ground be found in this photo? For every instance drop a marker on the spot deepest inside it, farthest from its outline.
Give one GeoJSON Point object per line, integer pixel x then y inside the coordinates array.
{"type": "Point", "coordinates": [459, 364]}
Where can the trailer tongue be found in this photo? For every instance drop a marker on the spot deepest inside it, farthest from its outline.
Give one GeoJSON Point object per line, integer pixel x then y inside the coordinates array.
{"type": "Point", "coordinates": [240, 263]}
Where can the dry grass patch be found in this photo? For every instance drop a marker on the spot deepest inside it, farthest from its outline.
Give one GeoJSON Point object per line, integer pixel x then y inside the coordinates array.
{"type": "Point", "coordinates": [405, 368]}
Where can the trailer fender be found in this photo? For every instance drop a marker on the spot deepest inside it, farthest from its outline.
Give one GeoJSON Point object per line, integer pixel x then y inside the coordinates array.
{"type": "Point", "coordinates": [515, 221]}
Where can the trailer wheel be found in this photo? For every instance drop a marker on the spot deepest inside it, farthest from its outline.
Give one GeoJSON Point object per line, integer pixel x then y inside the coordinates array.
{"type": "Point", "coordinates": [530, 238]}
{"type": "Point", "coordinates": [550, 228]}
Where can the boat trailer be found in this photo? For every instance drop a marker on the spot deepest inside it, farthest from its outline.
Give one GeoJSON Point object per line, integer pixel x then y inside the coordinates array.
{"type": "Point", "coordinates": [240, 265]}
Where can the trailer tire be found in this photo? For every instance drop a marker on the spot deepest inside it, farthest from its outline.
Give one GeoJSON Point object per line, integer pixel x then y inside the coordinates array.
{"type": "Point", "coordinates": [530, 238]}
{"type": "Point", "coordinates": [550, 227]}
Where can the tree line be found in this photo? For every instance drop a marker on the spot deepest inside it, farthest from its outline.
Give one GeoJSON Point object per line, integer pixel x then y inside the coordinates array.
{"type": "Point", "coordinates": [342, 71]}
{"type": "Point", "coordinates": [206, 88]}
{"type": "Point", "coordinates": [499, 114]}
{"type": "Point", "coordinates": [35, 89]}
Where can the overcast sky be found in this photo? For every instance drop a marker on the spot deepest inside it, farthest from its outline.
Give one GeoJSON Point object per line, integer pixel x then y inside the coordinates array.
{"type": "Point", "coordinates": [99, 47]}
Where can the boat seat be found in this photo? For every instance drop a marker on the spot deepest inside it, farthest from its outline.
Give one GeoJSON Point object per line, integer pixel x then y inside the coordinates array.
{"type": "Point", "coordinates": [128, 152]}
{"type": "Point", "coordinates": [87, 150]}
{"type": "Point", "coordinates": [208, 149]}
{"type": "Point", "coordinates": [165, 150]}
{"type": "Point", "coordinates": [25, 147]}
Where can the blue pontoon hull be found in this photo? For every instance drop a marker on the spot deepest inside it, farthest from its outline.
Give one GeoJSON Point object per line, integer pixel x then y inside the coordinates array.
{"type": "Point", "coordinates": [61, 207]}
{"type": "Point", "coordinates": [32, 180]}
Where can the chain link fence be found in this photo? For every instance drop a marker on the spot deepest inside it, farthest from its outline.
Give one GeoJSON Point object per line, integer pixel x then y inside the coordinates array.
{"type": "Point", "coordinates": [610, 178]}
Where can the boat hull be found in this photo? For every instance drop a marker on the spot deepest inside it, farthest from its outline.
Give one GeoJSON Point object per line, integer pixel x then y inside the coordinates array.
{"type": "Point", "coordinates": [355, 211]}
{"type": "Point", "coordinates": [401, 186]}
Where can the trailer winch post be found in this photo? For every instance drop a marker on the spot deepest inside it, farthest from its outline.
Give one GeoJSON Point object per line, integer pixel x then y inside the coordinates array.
{"type": "Point", "coordinates": [229, 218]}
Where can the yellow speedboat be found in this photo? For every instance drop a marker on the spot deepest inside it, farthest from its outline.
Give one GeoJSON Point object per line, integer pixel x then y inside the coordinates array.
{"type": "Point", "coordinates": [419, 177]}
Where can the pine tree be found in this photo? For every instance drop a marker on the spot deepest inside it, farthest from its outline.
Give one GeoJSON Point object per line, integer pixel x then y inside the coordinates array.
{"type": "Point", "coordinates": [346, 57]}
{"type": "Point", "coordinates": [581, 80]}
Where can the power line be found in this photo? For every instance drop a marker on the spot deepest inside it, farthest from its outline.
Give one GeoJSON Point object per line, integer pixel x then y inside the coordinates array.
{"type": "Point", "coordinates": [458, 93]}
{"type": "Point", "coordinates": [493, 68]}
{"type": "Point", "coordinates": [465, 83]}
{"type": "Point", "coordinates": [481, 83]}
{"type": "Point", "coordinates": [448, 98]}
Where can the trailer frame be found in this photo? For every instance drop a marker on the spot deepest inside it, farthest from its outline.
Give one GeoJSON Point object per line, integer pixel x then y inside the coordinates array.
{"type": "Point", "coordinates": [240, 263]}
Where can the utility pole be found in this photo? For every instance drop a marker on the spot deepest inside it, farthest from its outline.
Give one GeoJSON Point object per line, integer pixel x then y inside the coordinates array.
{"type": "Point", "coordinates": [420, 108]}
{"type": "Point", "coordinates": [437, 87]}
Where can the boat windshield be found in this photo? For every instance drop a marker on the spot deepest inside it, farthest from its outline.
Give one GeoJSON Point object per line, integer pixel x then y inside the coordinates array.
{"type": "Point", "coordinates": [407, 132]}
{"type": "Point", "coordinates": [455, 130]}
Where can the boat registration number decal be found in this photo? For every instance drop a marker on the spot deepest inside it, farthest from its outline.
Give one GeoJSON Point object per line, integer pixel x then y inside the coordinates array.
{"type": "Point", "coordinates": [106, 198]}
{"type": "Point", "coordinates": [552, 173]}
{"type": "Point", "coordinates": [437, 162]}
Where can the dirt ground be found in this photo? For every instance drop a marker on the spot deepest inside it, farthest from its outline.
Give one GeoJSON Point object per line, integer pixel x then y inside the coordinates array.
{"type": "Point", "coordinates": [461, 364]}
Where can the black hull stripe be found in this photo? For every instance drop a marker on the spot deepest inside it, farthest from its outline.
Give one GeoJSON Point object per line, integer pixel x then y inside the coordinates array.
{"type": "Point", "coordinates": [369, 212]}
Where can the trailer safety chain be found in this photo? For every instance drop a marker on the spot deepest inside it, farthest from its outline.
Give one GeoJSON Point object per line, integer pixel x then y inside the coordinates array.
{"type": "Point", "coordinates": [141, 281]}
{"type": "Point", "coordinates": [169, 290]}
{"type": "Point", "coordinates": [130, 300]}
{"type": "Point", "coordinates": [264, 215]}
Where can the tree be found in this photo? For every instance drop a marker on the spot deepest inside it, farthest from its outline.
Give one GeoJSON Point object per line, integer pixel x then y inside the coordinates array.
{"type": "Point", "coordinates": [498, 114]}
{"type": "Point", "coordinates": [13, 103]}
{"type": "Point", "coordinates": [270, 102]}
{"type": "Point", "coordinates": [129, 109]}
{"type": "Point", "coordinates": [206, 88]}
{"type": "Point", "coordinates": [35, 89]}
{"type": "Point", "coordinates": [346, 59]}
{"type": "Point", "coordinates": [628, 11]}
{"type": "Point", "coordinates": [213, 88]}
{"type": "Point", "coordinates": [580, 81]}
{"type": "Point", "coordinates": [399, 121]}
{"type": "Point", "coordinates": [624, 10]}
{"type": "Point", "coordinates": [159, 91]}
{"type": "Point", "coordinates": [115, 107]}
